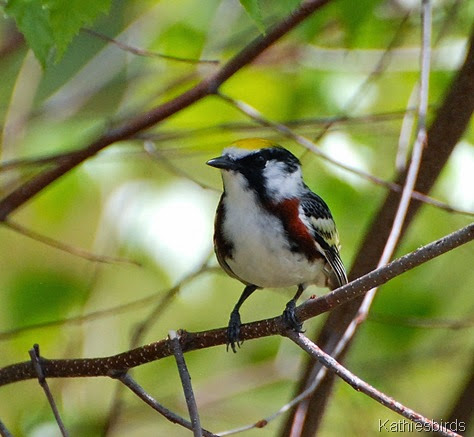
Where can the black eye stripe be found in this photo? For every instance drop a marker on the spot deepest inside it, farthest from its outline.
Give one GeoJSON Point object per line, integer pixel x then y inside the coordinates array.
{"type": "Point", "coordinates": [258, 159]}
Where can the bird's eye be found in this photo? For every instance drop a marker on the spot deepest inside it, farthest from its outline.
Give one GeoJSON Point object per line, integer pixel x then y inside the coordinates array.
{"type": "Point", "coordinates": [260, 161]}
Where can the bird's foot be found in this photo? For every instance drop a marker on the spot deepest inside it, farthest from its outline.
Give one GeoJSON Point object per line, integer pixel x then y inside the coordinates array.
{"type": "Point", "coordinates": [290, 317]}
{"type": "Point", "coordinates": [233, 331]}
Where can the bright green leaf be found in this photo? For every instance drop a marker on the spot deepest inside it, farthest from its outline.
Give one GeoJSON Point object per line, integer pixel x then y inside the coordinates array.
{"type": "Point", "coordinates": [68, 16]}
{"type": "Point", "coordinates": [253, 9]}
{"type": "Point", "coordinates": [50, 25]}
{"type": "Point", "coordinates": [32, 20]}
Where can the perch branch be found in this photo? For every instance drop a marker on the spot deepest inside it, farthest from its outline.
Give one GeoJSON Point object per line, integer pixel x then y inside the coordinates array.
{"type": "Point", "coordinates": [109, 366]}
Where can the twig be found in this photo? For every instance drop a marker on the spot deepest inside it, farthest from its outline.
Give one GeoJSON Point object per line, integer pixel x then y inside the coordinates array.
{"type": "Point", "coordinates": [76, 251]}
{"type": "Point", "coordinates": [447, 128]}
{"type": "Point", "coordinates": [377, 71]}
{"type": "Point", "coordinates": [163, 303]}
{"type": "Point", "coordinates": [360, 385]}
{"type": "Point", "coordinates": [308, 144]}
{"type": "Point", "coordinates": [397, 225]}
{"type": "Point", "coordinates": [131, 127]}
{"type": "Point", "coordinates": [88, 367]}
{"type": "Point", "coordinates": [4, 431]}
{"type": "Point", "coordinates": [186, 383]}
{"type": "Point", "coordinates": [36, 361]}
{"type": "Point", "coordinates": [405, 132]}
{"type": "Point", "coordinates": [127, 380]}
{"type": "Point", "coordinates": [410, 182]}
{"type": "Point", "coordinates": [144, 326]}
{"type": "Point", "coordinates": [421, 322]}
{"type": "Point", "coordinates": [5, 335]}
{"type": "Point", "coordinates": [39, 160]}
{"type": "Point", "coordinates": [283, 409]}
{"type": "Point", "coordinates": [155, 154]}
{"type": "Point", "coordinates": [141, 52]}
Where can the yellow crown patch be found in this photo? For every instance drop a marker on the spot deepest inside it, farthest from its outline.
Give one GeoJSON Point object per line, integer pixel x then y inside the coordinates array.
{"type": "Point", "coordinates": [253, 143]}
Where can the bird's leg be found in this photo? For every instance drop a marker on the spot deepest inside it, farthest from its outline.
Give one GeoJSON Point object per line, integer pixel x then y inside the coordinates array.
{"type": "Point", "coordinates": [289, 313]}
{"type": "Point", "coordinates": [233, 328]}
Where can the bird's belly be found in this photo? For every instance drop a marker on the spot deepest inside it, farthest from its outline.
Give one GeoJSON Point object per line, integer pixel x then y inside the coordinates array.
{"type": "Point", "coordinates": [262, 256]}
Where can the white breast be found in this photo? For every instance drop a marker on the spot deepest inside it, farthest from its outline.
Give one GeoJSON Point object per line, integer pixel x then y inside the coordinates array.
{"type": "Point", "coordinates": [261, 254]}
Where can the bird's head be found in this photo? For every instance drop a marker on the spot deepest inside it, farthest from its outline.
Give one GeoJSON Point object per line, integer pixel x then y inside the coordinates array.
{"type": "Point", "coordinates": [271, 171]}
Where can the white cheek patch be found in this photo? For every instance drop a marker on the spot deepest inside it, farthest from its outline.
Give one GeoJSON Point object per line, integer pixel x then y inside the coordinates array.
{"type": "Point", "coordinates": [281, 184]}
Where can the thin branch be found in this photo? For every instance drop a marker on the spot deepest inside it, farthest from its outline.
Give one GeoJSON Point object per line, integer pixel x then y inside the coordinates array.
{"type": "Point", "coordinates": [13, 164]}
{"type": "Point", "coordinates": [130, 306]}
{"type": "Point", "coordinates": [360, 385]}
{"type": "Point", "coordinates": [158, 156]}
{"type": "Point", "coordinates": [186, 383]}
{"type": "Point", "coordinates": [447, 128]}
{"type": "Point", "coordinates": [127, 380]}
{"type": "Point", "coordinates": [163, 303]}
{"type": "Point", "coordinates": [141, 52]}
{"type": "Point", "coordinates": [4, 431]}
{"type": "Point", "coordinates": [397, 225]}
{"type": "Point", "coordinates": [76, 251]}
{"type": "Point", "coordinates": [422, 322]}
{"type": "Point", "coordinates": [380, 67]}
{"type": "Point", "coordinates": [36, 362]}
{"type": "Point", "coordinates": [131, 127]}
{"type": "Point", "coordinates": [406, 131]}
{"type": "Point", "coordinates": [88, 367]}
{"type": "Point", "coordinates": [141, 329]}
{"type": "Point", "coordinates": [310, 145]}
{"type": "Point", "coordinates": [283, 409]}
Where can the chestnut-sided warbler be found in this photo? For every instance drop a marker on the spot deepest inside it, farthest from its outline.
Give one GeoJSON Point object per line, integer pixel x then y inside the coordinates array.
{"type": "Point", "coordinates": [271, 230]}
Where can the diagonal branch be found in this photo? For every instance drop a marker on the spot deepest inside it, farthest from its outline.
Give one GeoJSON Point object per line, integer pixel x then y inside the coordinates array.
{"type": "Point", "coordinates": [186, 383]}
{"type": "Point", "coordinates": [446, 130]}
{"type": "Point", "coordinates": [136, 388]}
{"type": "Point", "coordinates": [36, 362]}
{"type": "Point", "coordinates": [397, 225]}
{"type": "Point", "coordinates": [358, 384]}
{"type": "Point", "coordinates": [109, 366]}
{"type": "Point", "coordinates": [128, 128]}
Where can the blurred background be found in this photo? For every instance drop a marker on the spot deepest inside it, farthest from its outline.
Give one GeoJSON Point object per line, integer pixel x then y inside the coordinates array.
{"type": "Point", "coordinates": [345, 77]}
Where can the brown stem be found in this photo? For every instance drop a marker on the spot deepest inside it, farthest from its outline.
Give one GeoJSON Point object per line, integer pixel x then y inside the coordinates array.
{"type": "Point", "coordinates": [128, 128]}
{"type": "Point", "coordinates": [110, 366]}
{"type": "Point", "coordinates": [447, 128]}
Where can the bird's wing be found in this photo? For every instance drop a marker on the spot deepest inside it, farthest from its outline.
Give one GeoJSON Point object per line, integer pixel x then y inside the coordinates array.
{"type": "Point", "coordinates": [324, 232]}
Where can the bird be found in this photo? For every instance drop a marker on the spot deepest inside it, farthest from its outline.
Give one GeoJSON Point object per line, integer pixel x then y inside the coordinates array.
{"type": "Point", "coordinates": [270, 229]}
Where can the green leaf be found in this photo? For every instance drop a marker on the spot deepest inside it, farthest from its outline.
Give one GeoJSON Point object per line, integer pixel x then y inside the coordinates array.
{"type": "Point", "coordinates": [253, 9]}
{"type": "Point", "coordinates": [355, 15]}
{"type": "Point", "coordinates": [68, 16]}
{"type": "Point", "coordinates": [50, 25]}
{"type": "Point", "coordinates": [32, 21]}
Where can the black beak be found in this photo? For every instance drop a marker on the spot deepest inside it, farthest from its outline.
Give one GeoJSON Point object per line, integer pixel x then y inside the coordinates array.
{"type": "Point", "coordinates": [222, 162]}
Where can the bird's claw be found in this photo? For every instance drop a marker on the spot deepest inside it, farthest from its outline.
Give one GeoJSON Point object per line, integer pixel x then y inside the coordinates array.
{"type": "Point", "coordinates": [290, 317]}
{"type": "Point", "coordinates": [233, 331]}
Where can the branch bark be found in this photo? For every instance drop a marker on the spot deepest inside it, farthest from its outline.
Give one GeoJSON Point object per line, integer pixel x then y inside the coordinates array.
{"type": "Point", "coordinates": [118, 364]}
{"type": "Point", "coordinates": [129, 128]}
{"type": "Point", "coordinates": [446, 130]}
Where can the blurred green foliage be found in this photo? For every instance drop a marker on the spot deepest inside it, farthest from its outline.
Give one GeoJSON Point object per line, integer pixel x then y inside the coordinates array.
{"type": "Point", "coordinates": [129, 200]}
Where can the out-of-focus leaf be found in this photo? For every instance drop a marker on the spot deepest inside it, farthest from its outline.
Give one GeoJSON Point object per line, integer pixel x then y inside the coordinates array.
{"type": "Point", "coordinates": [38, 296]}
{"type": "Point", "coordinates": [355, 14]}
{"type": "Point", "coordinates": [254, 10]}
{"type": "Point", "coordinates": [50, 25]}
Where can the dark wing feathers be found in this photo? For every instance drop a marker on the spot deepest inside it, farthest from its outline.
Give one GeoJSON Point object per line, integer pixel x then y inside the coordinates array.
{"type": "Point", "coordinates": [325, 233]}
